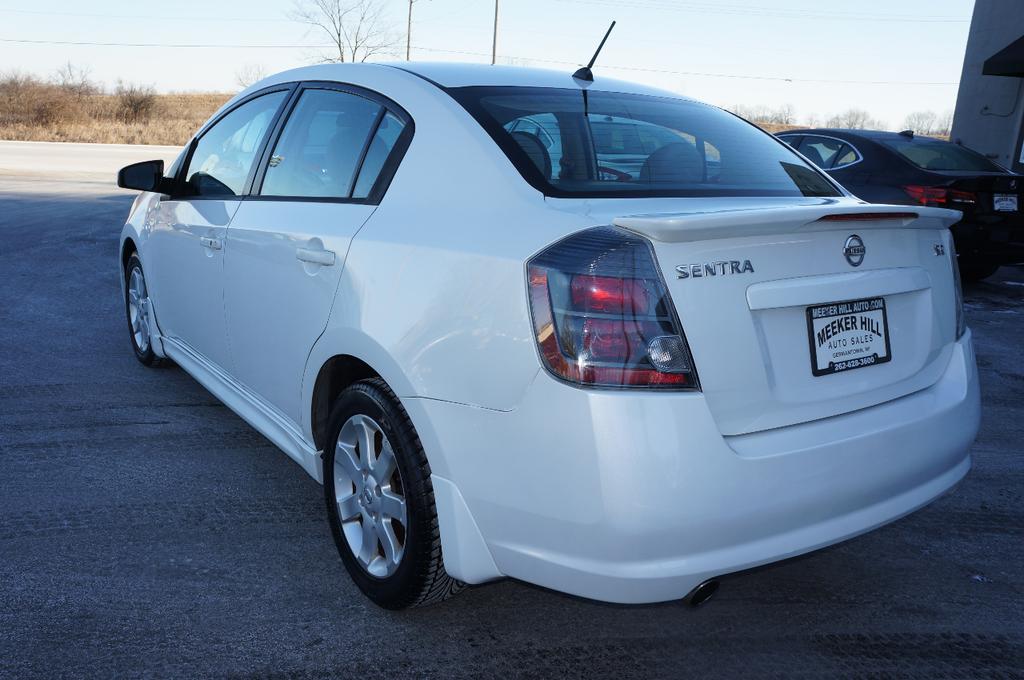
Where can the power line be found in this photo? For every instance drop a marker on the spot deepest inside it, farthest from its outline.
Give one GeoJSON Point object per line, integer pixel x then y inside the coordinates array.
{"type": "Point", "coordinates": [86, 43]}
{"type": "Point", "coordinates": [144, 16]}
{"type": "Point", "coordinates": [769, 12]}
{"type": "Point", "coordinates": [663, 5]}
{"type": "Point", "coordinates": [702, 74]}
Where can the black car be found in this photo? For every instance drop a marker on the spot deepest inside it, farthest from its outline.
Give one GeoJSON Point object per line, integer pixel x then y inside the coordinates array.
{"type": "Point", "coordinates": [904, 168]}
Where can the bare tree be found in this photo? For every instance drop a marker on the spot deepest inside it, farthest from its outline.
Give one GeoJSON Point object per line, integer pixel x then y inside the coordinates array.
{"type": "Point", "coordinates": [135, 103]}
{"type": "Point", "coordinates": [75, 80]}
{"type": "Point", "coordinates": [920, 121]}
{"type": "Point", "coordinates": [759, 113]}
{"type": "Point", "coordinates": [783, 115]}
{"type": "Point", "coordinates": [751, 112]}
{"type": "Point", "coordinates": [854, 119]}
{"type": "Point", "coordinates": [944, 123]}
{"type": "Point", "coordinates": [249, 74]}
{"type": "Point", "coordinates": [812, 120]}
{"type": "Point", "coordinates": [358, 29]}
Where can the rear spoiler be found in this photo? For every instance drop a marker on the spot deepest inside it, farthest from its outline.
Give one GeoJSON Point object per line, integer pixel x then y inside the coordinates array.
{"type": "Point", "coordinates": [730, 223]}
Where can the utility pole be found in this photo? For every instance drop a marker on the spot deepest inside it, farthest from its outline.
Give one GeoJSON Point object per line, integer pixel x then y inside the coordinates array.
{"type": "Point", "coordinates": [494, 42]}
{"type": "Point", "coordinates": [408, 32]}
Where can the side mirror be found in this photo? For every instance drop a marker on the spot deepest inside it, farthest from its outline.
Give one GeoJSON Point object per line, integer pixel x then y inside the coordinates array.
{"type": "Point", "coordinates": [144, 176]}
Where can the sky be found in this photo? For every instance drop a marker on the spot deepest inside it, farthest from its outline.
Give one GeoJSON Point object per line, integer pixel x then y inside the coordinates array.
{"type": "Point", "coordinates": [821, 57]}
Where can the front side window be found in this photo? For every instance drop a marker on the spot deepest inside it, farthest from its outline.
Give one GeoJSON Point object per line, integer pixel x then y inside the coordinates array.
{"type": "Point", "coordinates": [613, 144]}
{"type": "Point", "coordinates": [935, 154]}
{"type": "Point", "coordinates": [225, 153]}
{"type": "Point", "coordinates": [320, 148]}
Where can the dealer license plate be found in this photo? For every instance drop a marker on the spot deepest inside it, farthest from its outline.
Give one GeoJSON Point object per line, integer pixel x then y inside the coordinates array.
{"type": "Point", "coordinates": [848, 335]}
{"type": "Point", "coordinates": [1005, 202]}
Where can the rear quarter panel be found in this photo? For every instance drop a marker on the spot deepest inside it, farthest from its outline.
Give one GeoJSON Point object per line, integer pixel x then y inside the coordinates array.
{"type": "Point", "coordinates": [433, 294]}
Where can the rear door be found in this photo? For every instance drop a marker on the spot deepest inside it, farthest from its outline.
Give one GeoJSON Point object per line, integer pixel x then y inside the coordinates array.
{"type": "Point", "coordinates": [320, 181]}
{"type": "Point", "coordinates": [185, 250]}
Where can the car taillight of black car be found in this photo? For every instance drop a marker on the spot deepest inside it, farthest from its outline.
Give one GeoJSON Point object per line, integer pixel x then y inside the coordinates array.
{"type": "Point", "coordinates": [942, 197]}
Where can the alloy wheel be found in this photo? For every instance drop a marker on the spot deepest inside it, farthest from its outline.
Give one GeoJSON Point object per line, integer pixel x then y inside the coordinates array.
{"type": "Point", "coordinates": [370, 496]}
{"type": "Point", "coordinates": [138, 309]}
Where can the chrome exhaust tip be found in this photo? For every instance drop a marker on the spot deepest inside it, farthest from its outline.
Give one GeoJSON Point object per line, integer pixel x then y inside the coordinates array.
{"type": "Point", "coordinates": [702, 593]}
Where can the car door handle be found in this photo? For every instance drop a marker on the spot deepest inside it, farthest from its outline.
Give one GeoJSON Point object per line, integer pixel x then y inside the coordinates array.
{"type": "Point", "coordinates": [211, 243]}
{"type": "Point", "coordinates": [315, 256]}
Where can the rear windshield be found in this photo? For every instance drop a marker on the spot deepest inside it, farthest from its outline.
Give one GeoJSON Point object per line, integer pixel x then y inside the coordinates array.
{"type": "Point", "coordinates": [935, 154]}
{"type": "Point", "coordinates": [610, 144]}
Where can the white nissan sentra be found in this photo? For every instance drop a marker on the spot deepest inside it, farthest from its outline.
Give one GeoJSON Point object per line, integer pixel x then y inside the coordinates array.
{"type": "Point", "coordinates": [590, 335]}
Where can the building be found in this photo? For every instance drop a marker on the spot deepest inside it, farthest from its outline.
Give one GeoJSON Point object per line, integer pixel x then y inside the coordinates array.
{"type": "Point", "coordinates": [989, 116]}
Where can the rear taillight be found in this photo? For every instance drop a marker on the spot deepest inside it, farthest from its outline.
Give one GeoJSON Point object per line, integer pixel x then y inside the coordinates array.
{"type": "Point", "coordinates": [602, 314]}
{"type": "Point", "coordinates": [957, 196]}
{"type": "Point", "coordinates": [939, 196]}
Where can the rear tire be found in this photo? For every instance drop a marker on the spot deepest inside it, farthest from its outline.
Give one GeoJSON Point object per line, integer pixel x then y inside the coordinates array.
{"type": "Point", "coordinates": [977, 270]}
{"type": "Point", "coordinates": [139, 309]}
{"type": "Point", "coordinates": [380, 500]}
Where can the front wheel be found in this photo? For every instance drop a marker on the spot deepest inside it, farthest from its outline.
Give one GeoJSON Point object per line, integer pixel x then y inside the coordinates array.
{"type": "Point", "coordinates": [138, 309]}
{"type": "Point", "coordinates": [380, 500]}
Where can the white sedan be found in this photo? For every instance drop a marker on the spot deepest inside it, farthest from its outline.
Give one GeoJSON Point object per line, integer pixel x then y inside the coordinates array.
{"type": "Point", "coordinates": [590, 335]}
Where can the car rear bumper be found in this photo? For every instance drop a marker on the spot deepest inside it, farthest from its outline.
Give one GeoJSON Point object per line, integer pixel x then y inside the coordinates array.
{"type": "Point", "coordinates": [630, 497]}
{"type": "Point", "coordinates": [1000, 242]}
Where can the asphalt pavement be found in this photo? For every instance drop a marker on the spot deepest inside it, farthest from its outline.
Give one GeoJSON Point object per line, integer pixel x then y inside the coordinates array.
{"type": "Point", "coordinates": [145, 530]}
{"type": "Point", "coordinates": [88, 162]}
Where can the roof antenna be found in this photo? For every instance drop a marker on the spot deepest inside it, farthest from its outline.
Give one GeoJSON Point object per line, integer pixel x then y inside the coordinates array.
{"type": "Point", "coordinates": [584, 74]}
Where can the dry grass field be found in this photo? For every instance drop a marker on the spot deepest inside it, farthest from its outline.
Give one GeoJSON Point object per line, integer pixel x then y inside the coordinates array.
{"type": "Point", "coordinates": [37, 110]}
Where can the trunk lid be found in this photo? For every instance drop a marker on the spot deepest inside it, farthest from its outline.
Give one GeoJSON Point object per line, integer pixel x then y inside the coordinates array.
{"type": "Point", "coordinates": [1007, 211]}
{"type": "Point", "coordinates": [755, 267]}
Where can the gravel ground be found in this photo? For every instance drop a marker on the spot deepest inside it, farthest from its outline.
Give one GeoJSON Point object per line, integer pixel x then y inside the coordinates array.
{"type": "Point", "coordinates": [145, 530]}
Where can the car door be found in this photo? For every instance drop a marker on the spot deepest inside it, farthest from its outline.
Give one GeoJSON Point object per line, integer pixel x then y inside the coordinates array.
{"type": "Point", "coordinates": [319, 183]}
{"type": "Point", "coordinates": [185, 253]}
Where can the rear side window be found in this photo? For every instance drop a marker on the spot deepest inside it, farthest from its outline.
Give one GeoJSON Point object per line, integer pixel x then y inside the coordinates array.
{"type": "Point", "coordinates": [321, 145]}
{"type": "Point", "coordinates": [846, 156]}
{"type": "Point", "coordinates": [935, 154]}
{"type": "Point", "coordinates": [820, 150]}
{"type": "Point", "coordinates": [614, 144]}
{"type": "Point", "coordinates": [377, 154]}
{"type": "Point", "coordinates": [827, 152]}
{"type": "Point", "coordinates": [225, 153]}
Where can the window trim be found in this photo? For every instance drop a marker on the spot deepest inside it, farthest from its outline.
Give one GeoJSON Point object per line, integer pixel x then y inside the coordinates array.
{"type": "Point", "coordinates": [179, 193]}
{"type": "Point", "coordinates": [806, 135]}
{"type": "Point", "coordinates": [387, 171]}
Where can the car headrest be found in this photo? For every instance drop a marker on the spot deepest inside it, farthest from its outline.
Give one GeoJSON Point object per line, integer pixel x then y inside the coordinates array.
{"type": "Point", "coordinates": [678, 163]}
{"type": "Point", "coordinates": [534, 148]}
